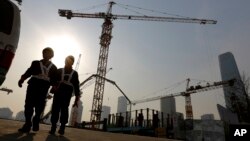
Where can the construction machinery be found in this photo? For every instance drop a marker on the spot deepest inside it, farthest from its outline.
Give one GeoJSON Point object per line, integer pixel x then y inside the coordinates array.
{"type": "Point", "coordinates": [190, 90]}
{"type": "Point", "coordinates": [105, 40]}
{"type": "Point", "coordinates": [108, 80]}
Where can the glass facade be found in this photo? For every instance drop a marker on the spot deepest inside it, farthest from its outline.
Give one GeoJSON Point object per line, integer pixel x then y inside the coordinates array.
{"type": "Point", "coordinates": [235, 96]}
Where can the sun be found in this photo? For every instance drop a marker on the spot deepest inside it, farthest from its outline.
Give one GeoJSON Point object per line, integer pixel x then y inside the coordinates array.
{"type": "Point", "coordinates": [63, 45]}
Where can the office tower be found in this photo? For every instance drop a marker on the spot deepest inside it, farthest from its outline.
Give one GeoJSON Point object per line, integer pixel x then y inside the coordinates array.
{"type": "Point", "coordinates": [235, 97]}
{"type": "Point", "coordinates": [168, 105]}
{"type": "Point", "coordinates": [122, 105]}
{"type": "Point", "coordinates": [105, 112]}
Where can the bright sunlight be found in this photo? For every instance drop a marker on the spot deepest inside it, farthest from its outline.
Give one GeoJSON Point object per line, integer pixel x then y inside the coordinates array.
{"type": "Point", "coordinates": [63, 45]}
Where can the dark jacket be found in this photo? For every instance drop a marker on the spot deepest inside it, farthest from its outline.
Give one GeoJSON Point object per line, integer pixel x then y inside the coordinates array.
{"type": "Point", "coordinates": [64, 87]}
{"type": "Point", "coordinates": [35, 70]}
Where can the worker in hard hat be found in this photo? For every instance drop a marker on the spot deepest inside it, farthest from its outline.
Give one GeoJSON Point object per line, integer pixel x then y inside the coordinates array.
{"type": "Point", "coordinates": [67, 84]}
{"type": "Point", "coordinates": [40, 72]}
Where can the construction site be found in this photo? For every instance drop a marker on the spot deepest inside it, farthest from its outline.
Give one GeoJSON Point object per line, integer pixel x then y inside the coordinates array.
{"type": "Point", "coordinates": [151, 122]}
{"type": "Point", "coordinates": [145, 123]}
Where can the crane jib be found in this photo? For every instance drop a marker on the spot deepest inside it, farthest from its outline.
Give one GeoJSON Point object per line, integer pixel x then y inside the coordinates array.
{"type": "Point", "coordinates": [69, 14]}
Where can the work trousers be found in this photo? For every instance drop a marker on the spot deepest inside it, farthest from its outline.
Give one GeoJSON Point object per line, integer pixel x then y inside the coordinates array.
{"type": "Point", "coordinates": [35, 99]}
{"type": "Point", "coordinates": [60, 106]}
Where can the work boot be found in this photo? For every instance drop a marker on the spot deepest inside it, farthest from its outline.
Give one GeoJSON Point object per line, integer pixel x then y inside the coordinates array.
{"type": "Point", "coordinates": [52, 129]}
{"type": "Point", "coordinates": [35, 126]}
{"type": "Point", "coordinates": [25, 129]}
{"type": "Point", "coordinates": [61, 130]}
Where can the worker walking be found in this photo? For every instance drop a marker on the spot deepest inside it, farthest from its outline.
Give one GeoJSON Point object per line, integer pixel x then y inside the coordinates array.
{"type": "Point", "coordinates": [40, 72]}
{"type": "Point", "coordinates": [68, 82]}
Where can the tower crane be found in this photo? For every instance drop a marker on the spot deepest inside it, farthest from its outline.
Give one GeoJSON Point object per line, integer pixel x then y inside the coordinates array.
{"type": "Point", "coordinates": [190, 90]}
{"type": "Point", "coordinates": [105, 40]}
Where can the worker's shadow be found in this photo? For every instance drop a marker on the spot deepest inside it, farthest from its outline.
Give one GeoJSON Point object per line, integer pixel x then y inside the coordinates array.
{"type": "Point", "coordinates": [17, 137]}
{"type": "Point", "coordinates": [57, 138]}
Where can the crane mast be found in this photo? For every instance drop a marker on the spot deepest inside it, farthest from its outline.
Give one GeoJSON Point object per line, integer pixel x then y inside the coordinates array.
{"type": "Point", "coordinates": [102, 66]}
{"type": "Point", "coordinates": [105, 40]}
{"type": "Point", "coordinates": [188, 103]}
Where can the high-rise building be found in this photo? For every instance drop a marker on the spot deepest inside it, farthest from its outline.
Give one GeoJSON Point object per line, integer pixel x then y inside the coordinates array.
{"type": "Point", "coordinates": [235, 97]}
{"type": "Point", "coordinates": [105, 112]}
{"type": "Point", "coordinates": [168, 105]}
{"type": "Point", "coordinates": [229, 70]}
{"type": "Point", "coordinates": [122, 105]}
{"type": "Point", "coordinates": [76, 114]}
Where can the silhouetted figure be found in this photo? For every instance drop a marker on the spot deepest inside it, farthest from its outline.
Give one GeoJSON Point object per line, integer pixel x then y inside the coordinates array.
{"type": "Point", "coordinates": [41, 72]}
{"type": "Point", "coordinates": [155, 121]}
{"type": "Point", "coordinates": [140, 119]}
{"type": "Point", "coordinates": [67, 83]}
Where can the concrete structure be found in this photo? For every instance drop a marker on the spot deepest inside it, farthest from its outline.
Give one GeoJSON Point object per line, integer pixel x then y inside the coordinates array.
{"type": "Point", "coordinates": [105, 112]}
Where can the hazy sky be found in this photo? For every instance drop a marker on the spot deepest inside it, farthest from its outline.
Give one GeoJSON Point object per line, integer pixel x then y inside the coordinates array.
{"type": "Point", "coordinates": [146, 57]}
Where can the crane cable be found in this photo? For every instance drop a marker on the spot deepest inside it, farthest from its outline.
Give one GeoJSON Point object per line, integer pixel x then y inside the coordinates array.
{"type": "Point", "coordinates": [150, 10]}
{"type": "Point", "coordinates": [126, 8]}
{"type": "Point", "coordinates": [91, 7]}
{"type": "Point", "coordinates": [165, 90]}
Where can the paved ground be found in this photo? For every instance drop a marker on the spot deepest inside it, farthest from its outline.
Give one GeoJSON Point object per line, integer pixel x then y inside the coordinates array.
{"type": "Point", "coordinates": [8, 132]}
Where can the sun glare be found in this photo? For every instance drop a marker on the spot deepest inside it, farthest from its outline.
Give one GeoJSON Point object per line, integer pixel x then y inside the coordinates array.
{"type": "Point", "coordinates": [63, 45]}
